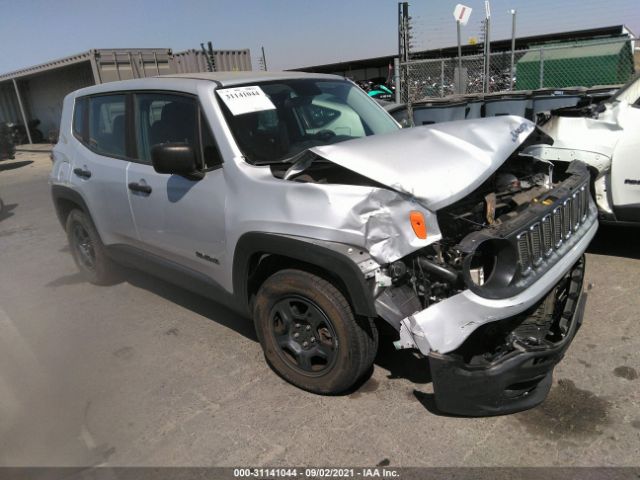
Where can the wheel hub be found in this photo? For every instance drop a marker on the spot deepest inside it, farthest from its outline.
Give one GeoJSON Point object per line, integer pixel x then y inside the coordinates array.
{"type": "Point", "coordinates": [304, 334]}
{"type": "Point", "coordinates": [84, 246]}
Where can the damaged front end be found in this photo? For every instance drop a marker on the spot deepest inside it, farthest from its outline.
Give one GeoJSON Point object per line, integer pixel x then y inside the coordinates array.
{"type": "Point", "coordinates": [507, 366]}
{"type": "Point", "coordinates": [491, 291]}
{"type": "Point", "coordinates": [495, 303]}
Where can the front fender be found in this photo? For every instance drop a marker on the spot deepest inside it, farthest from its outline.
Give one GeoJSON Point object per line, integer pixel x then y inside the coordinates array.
{"type": "Point", "coordinates": [349, 264]}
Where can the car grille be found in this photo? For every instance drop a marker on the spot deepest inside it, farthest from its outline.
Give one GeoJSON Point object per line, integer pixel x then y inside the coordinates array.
{"type": "Point", "coordinates": [543, 237]}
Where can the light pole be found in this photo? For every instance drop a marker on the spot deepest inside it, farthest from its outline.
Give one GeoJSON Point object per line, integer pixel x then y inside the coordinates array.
{"type": "Point", "coordinates": [513, 47]}
{"type": "Point", "coordinates": [487, 46]}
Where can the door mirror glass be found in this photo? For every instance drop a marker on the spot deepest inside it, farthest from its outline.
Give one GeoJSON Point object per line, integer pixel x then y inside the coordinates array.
{"type": "Point", "coordinates": [175, 158]}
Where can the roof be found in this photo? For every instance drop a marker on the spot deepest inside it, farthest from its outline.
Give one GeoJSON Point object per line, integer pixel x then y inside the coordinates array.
{"type": "Point", "coordinates": [189, 82]}
{"type": "Point", "coordinates": [77, 58]}
{"type": "Point", "coordinates": [227, 79]}
{"type": "Point", "coordinates": [569, 50]}
{"type": "Point", "coordinates": [43, 67]}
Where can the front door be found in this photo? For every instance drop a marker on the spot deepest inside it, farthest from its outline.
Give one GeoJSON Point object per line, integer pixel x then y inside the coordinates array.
{"type": "Point", "coordinates": [177, 218]}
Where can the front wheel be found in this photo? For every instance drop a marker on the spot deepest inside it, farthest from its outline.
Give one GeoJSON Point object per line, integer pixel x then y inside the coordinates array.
{"type": "Point", "coordinates": [309, 333]}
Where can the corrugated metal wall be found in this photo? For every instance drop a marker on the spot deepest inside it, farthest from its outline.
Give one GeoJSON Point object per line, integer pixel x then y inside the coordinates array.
{"type": "Point", "coordinates": [125, 64]}
{"type": "Point", "coordinates": [43, 87]}
{"type": "Point", "coordinates": [43, 94]}
{"type": "Point", "coordinates": [193, 61]}
{"type": "Point", "coordinates": [232, 60]}
{"type": "Point", "coordinates": [9, 109]}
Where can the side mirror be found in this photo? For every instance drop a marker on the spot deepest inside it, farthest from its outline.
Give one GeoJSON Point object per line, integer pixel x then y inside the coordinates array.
{"type": "Point", "coordinates": [175, 158]}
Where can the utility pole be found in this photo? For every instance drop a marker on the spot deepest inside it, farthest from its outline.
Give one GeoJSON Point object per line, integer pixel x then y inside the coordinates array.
{"type": "Point", "coordinates": [404, 34]}
{"type": "Point", "coordinates": [487, 47]}
{"type": "Point", "coordinates": [459, 76]}
{"type": "Point", "coordinates": [209, 56]}
{"type": "Point", "coordinates": [264, 60]}
{"type": "Point", "coordinates": [404, 46]}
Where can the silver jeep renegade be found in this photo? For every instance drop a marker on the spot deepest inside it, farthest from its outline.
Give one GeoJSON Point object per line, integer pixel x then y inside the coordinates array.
{"type": "Point", "coordinates": [296, 200]}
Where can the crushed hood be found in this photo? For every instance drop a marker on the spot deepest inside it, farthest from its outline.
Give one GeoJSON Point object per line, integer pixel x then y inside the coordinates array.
{"type": "Point", "coordinates": [436, 164]}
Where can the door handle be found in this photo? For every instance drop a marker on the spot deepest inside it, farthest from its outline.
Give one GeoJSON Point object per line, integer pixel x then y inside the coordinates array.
{"type": "Point", "coordinates": [81, 172]}
{"type": "Point", "coordinates": [137, 187]}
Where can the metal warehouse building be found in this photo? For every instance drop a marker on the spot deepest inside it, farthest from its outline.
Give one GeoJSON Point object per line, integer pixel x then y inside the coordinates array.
{"type": "Point", "coordinates": [37, 92]}
{"type": "Point", "coordinates": [378, 67]}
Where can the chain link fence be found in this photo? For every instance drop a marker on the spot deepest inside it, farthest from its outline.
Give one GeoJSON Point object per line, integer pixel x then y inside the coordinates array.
{"type": "Point", "coordinates": [587, 64]}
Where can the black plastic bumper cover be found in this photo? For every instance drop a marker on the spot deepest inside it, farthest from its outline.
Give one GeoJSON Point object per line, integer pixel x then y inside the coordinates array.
{"type": "Point", "coordinates": [519, 381]}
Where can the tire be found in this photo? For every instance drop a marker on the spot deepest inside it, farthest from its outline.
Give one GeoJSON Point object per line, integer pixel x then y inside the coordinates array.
{"type": "Point", "coordinates": [88, 251]}
{"type": "Point", "coordinates": [309, 333]}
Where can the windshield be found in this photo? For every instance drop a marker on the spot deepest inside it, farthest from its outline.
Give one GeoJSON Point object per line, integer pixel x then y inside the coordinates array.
{"type": "Point", "coordinates": [301, 114]}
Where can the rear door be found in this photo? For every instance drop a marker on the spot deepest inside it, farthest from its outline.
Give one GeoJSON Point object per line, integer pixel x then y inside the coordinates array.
{"type": "Point", "coordinates": [178, 219]}
{"type": "Point", "coordinates": [100, 161]}
{"type": "Point", "coordinates": [625, 168]}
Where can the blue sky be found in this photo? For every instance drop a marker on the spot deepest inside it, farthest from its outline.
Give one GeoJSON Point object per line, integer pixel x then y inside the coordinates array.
{"type": "Point", "coordinates": [295, 33]}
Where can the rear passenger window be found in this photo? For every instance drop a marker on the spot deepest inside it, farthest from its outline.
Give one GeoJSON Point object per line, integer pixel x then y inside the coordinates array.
{"type": "Point", "coordinates": [107, 125]}
{"type": "Point", "coordinates": [169, 118]}
{"type": "Point", "coordinates": [78, 117]}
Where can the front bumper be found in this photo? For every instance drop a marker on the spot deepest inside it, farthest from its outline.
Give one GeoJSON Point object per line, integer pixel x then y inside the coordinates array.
{"type": "Point", "coordinates": [445, 326]}
{"type": "Point", "coordinates": [517, 381]}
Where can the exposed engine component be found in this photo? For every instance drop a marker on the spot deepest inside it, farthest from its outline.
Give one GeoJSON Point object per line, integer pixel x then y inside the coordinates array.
{"type": "Point", "coordinates": [489, 259]}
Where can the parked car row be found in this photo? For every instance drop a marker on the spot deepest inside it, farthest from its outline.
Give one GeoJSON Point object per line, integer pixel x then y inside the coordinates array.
{"type": "Point", "coordinates": [526, 104]}
{"type": "Point", "coordinates": [598, 126]}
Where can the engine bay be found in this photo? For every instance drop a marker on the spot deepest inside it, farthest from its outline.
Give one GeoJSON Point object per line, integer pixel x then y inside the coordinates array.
{"type": "Point", "coordinates": [436, 272]}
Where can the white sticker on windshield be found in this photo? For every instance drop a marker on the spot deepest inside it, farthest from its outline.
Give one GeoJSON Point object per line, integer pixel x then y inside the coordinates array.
{"type": "Point", "coordinates": [245, 100]}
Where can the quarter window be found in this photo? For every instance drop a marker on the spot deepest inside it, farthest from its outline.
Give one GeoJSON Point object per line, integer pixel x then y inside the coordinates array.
{"type": "Point", "coordinates": [107, 126]}
{"type": "Point", "coordinates": [210, 152]}
{"type": "Point", "coordinates": [78, 117]}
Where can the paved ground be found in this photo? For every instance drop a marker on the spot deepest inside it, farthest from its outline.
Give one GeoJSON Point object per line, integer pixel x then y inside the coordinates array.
{"type": "Point", "coordinates": [144, 373]}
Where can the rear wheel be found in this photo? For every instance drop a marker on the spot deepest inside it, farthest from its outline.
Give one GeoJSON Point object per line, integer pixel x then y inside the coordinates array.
{"type": "Point", "coordinates": [88, 251]}
{"type": "Point", "coordinates": [309, 333]}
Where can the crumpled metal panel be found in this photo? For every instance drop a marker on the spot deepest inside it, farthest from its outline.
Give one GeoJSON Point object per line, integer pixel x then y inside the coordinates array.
{"type": "Point", "coordinates": [559, 154]}
{"type": "Point", "coordinates": [383, 215]}
{"type": "Point", "coordinates": [437, 164]}
{"type": "Point", "coordinates": [372, 218]}
{"type": "Point", "coordinates": [574, 135]}
{"type": "Point", "coordinates": [444, 326]}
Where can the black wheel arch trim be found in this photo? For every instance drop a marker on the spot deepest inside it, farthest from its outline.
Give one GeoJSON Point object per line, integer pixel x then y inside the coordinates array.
{"type": "Point", "coordinates": [324, 255]}
{"type": "Point", "coordinates": [60, 192]}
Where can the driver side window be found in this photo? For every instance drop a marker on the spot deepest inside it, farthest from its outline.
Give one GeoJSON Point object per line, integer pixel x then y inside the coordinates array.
{"type": "Point", "coordinates": [170, 118]}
